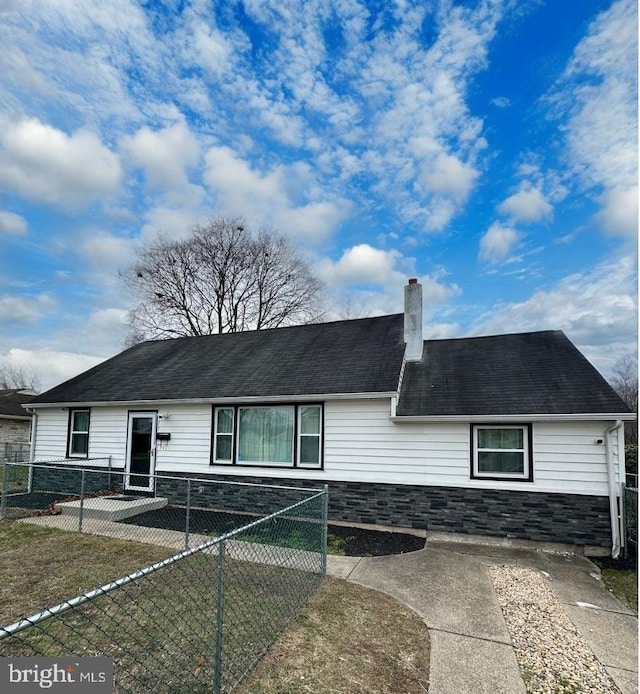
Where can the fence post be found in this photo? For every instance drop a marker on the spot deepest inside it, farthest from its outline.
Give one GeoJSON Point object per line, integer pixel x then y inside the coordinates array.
{"type": "Point", "coordinates": [325, 518]}
{"type": "Point", "coordinates": [5, 484]}
{"type": "Point", "coordinates": [81, 501]}
{"type": "Point", "coordinates": [217, 663]}
{"type": "Point", "coordinates": [186, 530]}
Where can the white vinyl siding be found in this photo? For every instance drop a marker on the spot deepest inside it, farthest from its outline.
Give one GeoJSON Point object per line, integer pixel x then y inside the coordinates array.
{"type": "Point", "coordinates": [51, 435]}
{"type": "Point", "coordinates": [361, 443]}
{"type": "Point", "coordinates": [190, 446]}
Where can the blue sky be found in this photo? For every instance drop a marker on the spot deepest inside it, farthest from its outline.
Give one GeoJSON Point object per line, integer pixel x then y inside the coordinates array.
{"type": "Point", "coordinates": [488, 148]}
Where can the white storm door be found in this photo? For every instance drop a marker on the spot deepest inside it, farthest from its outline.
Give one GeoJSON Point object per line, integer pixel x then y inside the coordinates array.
{"type": "Point", "coordinates": [141, 451]}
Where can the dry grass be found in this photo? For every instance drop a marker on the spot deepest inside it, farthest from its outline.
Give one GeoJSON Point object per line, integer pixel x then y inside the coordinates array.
{"type": "Point", "coordinates": [623, 583]}
{"type": "Point", "coordinates": [348, 639]}
{"type": "Point", "coordinates": [42, 566]}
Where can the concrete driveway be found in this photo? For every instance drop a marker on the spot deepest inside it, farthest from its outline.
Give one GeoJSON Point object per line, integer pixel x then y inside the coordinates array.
{"type": "Point", "coordinates": [448, 585]}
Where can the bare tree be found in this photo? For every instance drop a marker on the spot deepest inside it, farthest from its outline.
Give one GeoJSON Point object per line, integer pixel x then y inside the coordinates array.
{"type": "Point", "coordinates": [624, 380]}
{"type": "Point", "coordinates": [221, 278]}
{"type": "Point", "coordinates": [21, 377]}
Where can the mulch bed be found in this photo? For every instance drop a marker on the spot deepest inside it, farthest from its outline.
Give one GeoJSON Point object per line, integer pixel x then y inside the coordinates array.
{"type": "Point", "coordinates": [375, 543]}
{"type": "Point", "coordinates": [356, 542]}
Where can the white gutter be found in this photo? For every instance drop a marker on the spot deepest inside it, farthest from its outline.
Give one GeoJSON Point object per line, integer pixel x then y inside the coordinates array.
{"type": "Point", "coordinates": [576, 417]}
{"type": "Point", "coordinates": [613, 494]}
{"type": "Point", "coordinates": [307, 397]}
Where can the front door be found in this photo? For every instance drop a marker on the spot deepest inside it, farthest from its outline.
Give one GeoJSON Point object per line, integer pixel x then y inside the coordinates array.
{"type": "Point", "coordinates": [141, 451]}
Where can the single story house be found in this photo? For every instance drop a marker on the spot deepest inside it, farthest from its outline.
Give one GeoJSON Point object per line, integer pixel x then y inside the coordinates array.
{"type": "Point", "coordinates": [15, 422]}
{"type": "Point", "coordinates": [513, 435]}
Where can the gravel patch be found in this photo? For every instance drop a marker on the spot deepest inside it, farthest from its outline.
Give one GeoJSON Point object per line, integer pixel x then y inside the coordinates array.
{"type": "Point", "coordinates": [553, 657]}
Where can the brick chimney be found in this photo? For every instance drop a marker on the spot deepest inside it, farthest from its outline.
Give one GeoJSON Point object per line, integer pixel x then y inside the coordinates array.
{"type": "Point", "coordinates": [413, 320]}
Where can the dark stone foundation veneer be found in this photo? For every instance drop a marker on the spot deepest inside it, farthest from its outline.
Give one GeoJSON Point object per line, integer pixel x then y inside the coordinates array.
{"type": "Point", "coordinates": [539, 516]}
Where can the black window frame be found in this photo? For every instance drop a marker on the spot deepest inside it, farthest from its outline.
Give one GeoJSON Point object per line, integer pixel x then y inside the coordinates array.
{"type": "Point", "coordinates": [271, 466]}
{"type": "Point", "coordinates": [71, 432]}
{"type": "Point", "coordinates": [527, 448]}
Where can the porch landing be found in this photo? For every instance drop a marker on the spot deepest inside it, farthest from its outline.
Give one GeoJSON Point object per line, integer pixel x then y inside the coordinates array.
{"type": "Point", "coordinates": [111, 508]}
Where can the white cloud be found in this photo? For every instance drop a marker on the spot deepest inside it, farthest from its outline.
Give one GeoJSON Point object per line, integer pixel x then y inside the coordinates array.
{"type": "Point", "coordinates": [501, 102]}
{"type": "Point", "coordinates": [45, 164]}
{"type": "Point", "coordinates": [271, 199]}
{"type": "Point", "coordinates": [53, 367]}
{"type": "Point", "coordinates": [597, 309]}
{"type": "Point", "coordinates": [527, 205]}
{"type": "Point", "coordinates": [77, 58]}
{"type": "Point", "coordinates": [173, 222]}
{"type": "Point", "coordinates": [11, 223]}
{"type": "Point", "coordinates": [20, 310]}
{"type": "Point", "coordinates": [164, 154]}
{"type": "Point", "coordinates": [108, 320]}
{"type": "Point", "coordinates": [369, 281]}
{"type": "Point", "coordinates": [449, 176]}
{"type": "Point", "coordinates": [498, 242]}
{"type": "Point", "coordinates": [599, 91]}
{"type": "Point", "coordinates": [106, 253]}
{"type": "Point", "coordinates": [619, 213]}
{"type": "Point", "coordinates": [361, 264]}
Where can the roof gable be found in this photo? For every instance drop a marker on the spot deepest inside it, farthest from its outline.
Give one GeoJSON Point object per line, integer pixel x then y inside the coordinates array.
{"type": "Point", "coordinates": [354, 356]}
{"type": "Point", "coordinates": [524, 373]}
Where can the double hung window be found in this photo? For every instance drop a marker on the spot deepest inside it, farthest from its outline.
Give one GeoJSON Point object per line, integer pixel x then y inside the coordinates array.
{"type": "Point", "coordinates": [501, 452]}
{"type": "Point", "coordinates": [78, 443]}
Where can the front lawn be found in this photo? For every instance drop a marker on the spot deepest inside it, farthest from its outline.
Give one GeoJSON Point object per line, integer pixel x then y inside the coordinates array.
{"type": "Point", "coordinates": [347, 638]}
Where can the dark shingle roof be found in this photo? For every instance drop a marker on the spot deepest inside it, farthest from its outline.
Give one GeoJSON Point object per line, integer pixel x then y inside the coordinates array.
{"type": "Point", "coordinates": [526, 373]}
{"type": "Point", "coordinates": [11, 402]}
{"type": "Point", "coordinates": [354, 356]}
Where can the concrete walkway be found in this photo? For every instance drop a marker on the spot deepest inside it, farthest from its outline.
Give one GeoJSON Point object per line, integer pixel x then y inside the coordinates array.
{"type": "Point", "coordinates": [448, 585]}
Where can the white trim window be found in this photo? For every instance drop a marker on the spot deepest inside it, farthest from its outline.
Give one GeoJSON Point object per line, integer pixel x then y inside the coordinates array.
{"type": "Point", "coordinates": [268, 435]}
{"type": "Point", "coordinates": [501, 452]}
{"type": "Point", "coordinates": [309, 435]}
{"type": "Point", "coordinates": [223, 435]}
{"type": "Point", "coordinates": [79, 421]}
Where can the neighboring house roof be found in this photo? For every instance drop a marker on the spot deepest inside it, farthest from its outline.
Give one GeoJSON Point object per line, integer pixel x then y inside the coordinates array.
{"type": "Point", "coordinates": [525, 373]}
{"type": "Point", "coordinates": [353, 356]}
{"type": "Point", "coordinates": [11, 401]}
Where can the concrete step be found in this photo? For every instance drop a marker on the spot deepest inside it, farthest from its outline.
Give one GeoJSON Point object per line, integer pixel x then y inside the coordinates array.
{"type": "Point", "coordinates": [112, 508]}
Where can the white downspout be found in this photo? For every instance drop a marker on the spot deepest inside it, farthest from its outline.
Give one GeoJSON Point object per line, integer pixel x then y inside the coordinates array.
{"type": "Point", "coordinates": [613, 490]}
{"type": "Point", "coordinates": [34, 429]}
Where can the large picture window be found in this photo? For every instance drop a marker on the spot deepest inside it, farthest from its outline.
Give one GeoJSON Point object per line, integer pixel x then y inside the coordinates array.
{"type": "Point", "coordinates": [78, 444]}
{"type": "Point", "coordinates": [278, 436]}
{"type": "Point", "coordinates": [501, 452]}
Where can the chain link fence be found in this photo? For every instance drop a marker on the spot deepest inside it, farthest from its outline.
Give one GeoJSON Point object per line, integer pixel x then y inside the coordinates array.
{"type": "Point", "coordinates": [198, 620]}
{"type": "Point", "coordinates": [14, 452]}
{"type": "Point", "coordinates": [631, 517]}
{"type": "Point", "coordinates": [182, 512]}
